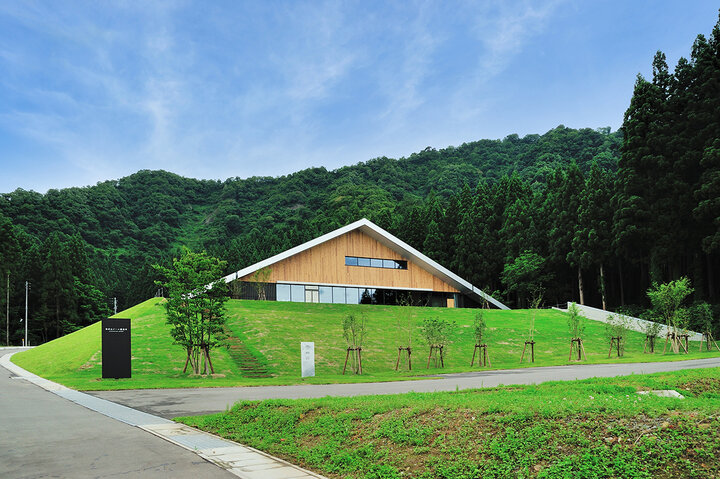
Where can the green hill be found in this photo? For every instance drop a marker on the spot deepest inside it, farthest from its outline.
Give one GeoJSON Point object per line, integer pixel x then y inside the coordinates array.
{"type": "Point", "coordinates": [112, 232]}
{"type": "Point", "coordinates": [272, 332]}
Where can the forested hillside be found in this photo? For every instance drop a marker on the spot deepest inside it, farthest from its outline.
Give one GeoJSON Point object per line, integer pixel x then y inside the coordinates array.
{"type": "Point", "coordinates": [587, 215]}
{"type": "Point", "coordinates": [79, 246]}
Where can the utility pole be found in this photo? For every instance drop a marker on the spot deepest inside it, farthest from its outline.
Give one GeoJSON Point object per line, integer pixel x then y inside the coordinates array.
{"type": "Point", "coordinates": [115, 305]}
{"type": "Point", "coordinates": [7, 313]}
{"type": "Point", "coordinates": [26, 308]}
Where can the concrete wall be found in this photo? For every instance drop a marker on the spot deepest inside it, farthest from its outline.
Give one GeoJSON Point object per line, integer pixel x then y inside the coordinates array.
{"type": "Point", "coordinates": [635, 324]}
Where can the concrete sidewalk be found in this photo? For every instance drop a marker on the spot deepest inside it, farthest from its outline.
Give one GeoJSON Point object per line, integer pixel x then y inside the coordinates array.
{"type": "Point", "coordinates": [242, 461]}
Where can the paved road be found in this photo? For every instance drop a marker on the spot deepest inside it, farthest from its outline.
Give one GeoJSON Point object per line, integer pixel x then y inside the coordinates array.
{"type": "Point", "coordinates": [169, 403]}
{"type": "Point", "coordinates": [44, 435]}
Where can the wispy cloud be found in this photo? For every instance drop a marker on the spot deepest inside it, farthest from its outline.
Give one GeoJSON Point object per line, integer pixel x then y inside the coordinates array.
{"type": "Point", "coordinates": [505, 28]}
{"type": "Point", "coordinates": [225, 88]}
{"type": "Point", "coordinates": [402, 86]}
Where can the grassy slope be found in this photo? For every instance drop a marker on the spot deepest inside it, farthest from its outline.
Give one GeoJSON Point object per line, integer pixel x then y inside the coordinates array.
{"type": "Point", "coordinates": [597, 428]}
{"type": "Point", "coordinates": [75, 359]}
{"type": "Point", "coordinates": [276, 330]}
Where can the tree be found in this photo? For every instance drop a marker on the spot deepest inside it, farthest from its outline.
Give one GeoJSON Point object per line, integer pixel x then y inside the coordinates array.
{"type": "Point", "coordinates": [616, 327]}
{"type": "Point", "coordinates": [9, 256]}
{"type": "Point", "coordinates": [651, 328]}
{"type": "Point", "coordinates": [591, 244]}
{"type": "Point", "coordinates": [562, 206]}
{"type": "Point", "coordinates": [195, 305]}
{"type": "Point", "coordinates": [354, 333]}
{"type": "Point", "coordinates": [667, 302]}
{"type": "Point", "coordinates": [576, 325]}
{"type": "Point", "coordinates": [479, 326]}
{"type": "Point", "coordinates": [700, 317]}
{"type": "Point", "coordinates": [436, 333]}
{"type": "Point", "coordinates": [535, 302]}
{"type": "Point", "coordinates": [58, 287]}
{"type": "Point", "coordinates": [524, 276]}
{"type": "Point", "coordinates": [432, 246]}
{"type": "Point", "coordinates": [575, 322]}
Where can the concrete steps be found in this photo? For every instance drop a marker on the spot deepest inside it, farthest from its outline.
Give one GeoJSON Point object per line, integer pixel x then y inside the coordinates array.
{"type": "Point", "coordinates": [250, 365]}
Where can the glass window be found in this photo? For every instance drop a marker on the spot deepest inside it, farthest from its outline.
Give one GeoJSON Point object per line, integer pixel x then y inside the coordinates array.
{"type": "Point", "coordinates": [326, 294]}
{"type": "Point", "coordinates": [283, 292]}
{"type": "Point", "coordinates": [338, 295]}
{"type": "Point", "coordinates": [297, 293]}
{"type": "Point", "coordinates": [351, 296]}
{"type": "Point", "coordinates": [389, 296]}
{"type": "Point", "coordinates": [366, 296]}
{"type": "Point", "coordinates": [375, 262]}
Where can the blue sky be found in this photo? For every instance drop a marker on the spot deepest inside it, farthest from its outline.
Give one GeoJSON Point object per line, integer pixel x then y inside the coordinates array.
{"type": "Point", "coordinates": [91, 91]}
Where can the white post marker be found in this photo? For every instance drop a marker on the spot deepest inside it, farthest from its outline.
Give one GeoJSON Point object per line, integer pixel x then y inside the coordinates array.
{"type": "Point", "coordinates": [307, 356]}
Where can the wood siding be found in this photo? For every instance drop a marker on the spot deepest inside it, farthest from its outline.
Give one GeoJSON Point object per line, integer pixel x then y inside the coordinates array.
{"type": "Point", "coordinates": [325, 264]}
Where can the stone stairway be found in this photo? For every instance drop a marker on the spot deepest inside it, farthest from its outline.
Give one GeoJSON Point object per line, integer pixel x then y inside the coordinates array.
{"type": "Point", "coordinates": [250, 365]}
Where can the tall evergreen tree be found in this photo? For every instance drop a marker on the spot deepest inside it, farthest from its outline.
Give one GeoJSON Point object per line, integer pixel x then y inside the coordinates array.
{"type": "Point", "coordinates": [562, 205]}
{"type": "Point", "coordinates": [9, 259]}
{"type": "Point", "coordinates": [593, 235]}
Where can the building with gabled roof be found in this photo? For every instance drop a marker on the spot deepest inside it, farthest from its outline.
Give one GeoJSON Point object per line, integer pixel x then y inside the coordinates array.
{"type": "Point", "coordinates": [358, 263]}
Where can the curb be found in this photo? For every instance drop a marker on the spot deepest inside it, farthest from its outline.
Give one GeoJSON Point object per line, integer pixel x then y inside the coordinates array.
{"type": "Point", "coordinates": [242, 461]}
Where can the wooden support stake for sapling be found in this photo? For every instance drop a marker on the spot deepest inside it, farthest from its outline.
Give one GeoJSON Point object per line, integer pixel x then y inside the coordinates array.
{"type": "Point", "coordinates": [436, 332]}
{"type": "Point", "coordinates": [651, 329]}
{"type": "Point", "coordinates": [684, 340]}
{"type": "Point", "coordinates": [532, 351]}
{"type": "Point", "coordinates": [707, 336]}
{"type": "Point", "coordinates": [354, 333]}
{"type": "Point", "coordinates": [616, 328]}
{"type": "Point", "coordinates": [615, 341]}
{"type": "Point", "coordinates": [356, 360]}
{"type": "Point", "coordinates": [409, 353]}
{"type": "Point", "coordinates": [576, 344]}
{"type": "Point", "coordinates": [576, 325]}
{"type": "Point", "coordinates": [704, 312]}
{"type": "Point", "coordinates": [436, 349]}
{"type": "Point", "coordinates": [675, 342]}
{"type": "Point", "coordinates": [479, 328]}
{"type": "Point", "coordinates": [534, 304]}
{"type": "Point", "coordinates": [483, 355]}
{"type": "Point", "coordinates": [405, 326]}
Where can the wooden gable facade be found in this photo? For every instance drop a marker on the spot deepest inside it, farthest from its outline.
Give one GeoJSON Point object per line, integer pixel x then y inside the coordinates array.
{"type": "Point", "coordinates": [325, 264]}
{"type": "Point", "coordinates": [358, 263]}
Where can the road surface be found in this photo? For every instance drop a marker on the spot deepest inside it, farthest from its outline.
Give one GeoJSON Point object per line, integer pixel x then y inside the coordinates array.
{"type": "Point", "coordinates": [44, 435]}
{"type": "Point", "coordinates": [169, 403]}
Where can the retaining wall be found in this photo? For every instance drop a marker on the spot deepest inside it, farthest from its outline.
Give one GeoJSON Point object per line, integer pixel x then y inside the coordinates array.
{"type": "Point", "coordinates": [635, 324]}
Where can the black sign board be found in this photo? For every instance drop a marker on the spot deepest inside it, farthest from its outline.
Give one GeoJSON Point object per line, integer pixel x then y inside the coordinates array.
{"type": "Point", "coordinates": [116, 348]}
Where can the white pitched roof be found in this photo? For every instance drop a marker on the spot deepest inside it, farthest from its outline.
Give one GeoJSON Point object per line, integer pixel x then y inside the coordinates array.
{"type": "Point", "coordinates": [385, 238]}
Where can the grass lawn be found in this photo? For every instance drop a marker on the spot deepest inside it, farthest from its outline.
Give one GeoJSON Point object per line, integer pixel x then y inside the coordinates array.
{"type": "Point", "coordinates": [274, 330]}
{"type": "Point", "coordinates": [596, 428]}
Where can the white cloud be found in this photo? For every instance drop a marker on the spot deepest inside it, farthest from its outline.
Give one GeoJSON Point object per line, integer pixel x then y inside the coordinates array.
{"type": "Point", "coordinates": [403, 86]}
{"type": "Point", "coordinates": [505, 28]}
